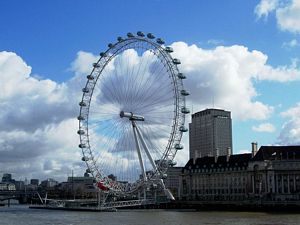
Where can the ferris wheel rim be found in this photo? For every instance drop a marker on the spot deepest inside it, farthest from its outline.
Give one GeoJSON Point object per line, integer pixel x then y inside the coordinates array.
{"type": "Point", "coordinates": [179, 105]}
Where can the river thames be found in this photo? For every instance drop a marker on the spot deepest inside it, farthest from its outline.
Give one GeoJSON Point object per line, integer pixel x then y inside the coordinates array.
{"type": "Point", "coordinates": [22, 215]}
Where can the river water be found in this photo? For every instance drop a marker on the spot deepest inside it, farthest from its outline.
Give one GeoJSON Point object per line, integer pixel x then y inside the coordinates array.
{"type": "Point", "coordinates": [22, 215]}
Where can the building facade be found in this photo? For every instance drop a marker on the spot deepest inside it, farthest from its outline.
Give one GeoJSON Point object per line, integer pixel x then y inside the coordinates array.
{"type": "Point", "coordinates": [210, 133]}
{"type": "Point", "coordinates": [172, 181]}
{"type": "Point", "coordinates": [271, 175]}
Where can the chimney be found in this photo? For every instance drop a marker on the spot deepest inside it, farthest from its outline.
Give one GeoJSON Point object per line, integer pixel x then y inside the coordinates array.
{"type": "Point", "coordinates": [228, 154]}
{"type": "Point", "coordinates": [216, 155]}
{"type": "Point", "coordinates": [254, 148]}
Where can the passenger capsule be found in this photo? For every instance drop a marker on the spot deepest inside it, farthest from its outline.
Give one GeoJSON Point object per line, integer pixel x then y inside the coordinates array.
{"type": "Point", "coordinates": [176, 61]}
{"type": "Point", "coordinates": [80, 117]}
{"type": "Point", "coordinates": [82, 146]}
{"type": "Point", "coordinates": [164, 176]}
{"type": "Point", "coordinates": [130, 35]}
{"type": "Point", "coordinates": [110, 45]}
{"type": "Point", "coordinates": [140, 33]}
{"type": "Point", "coordinates": [184, 93]}
{"type": "Point", "coordinates": [181, 76]}
{"type": "Point", "coordinates": [88, 171]}
{"type": "Point", "coordinates": [160, 41]}
{"type": "Point", "coordinates": [103, 54]}
{"type": "Point", "coordinates": [183, 129]}
{"type": "Point", "coordinates": [169, 49]}
{"type": "Point", "coordinates": [150, 36]}
{"type": "Point", "coordinates": [120, 39]}
{"type": "Point", "coordinates": [172, 163]}
{"type": "Point", "coordinates": [185, 110]}
{"type": "Point", "coordinates": [90, 77]}
{"type": "Point", "coordinates": [82, 103]}
{"type": "Point", "coordinates": [178, 147]}
{"type": "Point", "coordinates": [96, 65]}
{"type": "Point", "coordinates": [84, 158]}
{"type": "Point", "coordinates": [80, 132]}
{"type": "Point", "coordinates": [85, 90]}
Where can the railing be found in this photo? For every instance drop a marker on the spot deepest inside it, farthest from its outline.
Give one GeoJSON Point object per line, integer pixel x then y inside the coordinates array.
{"type": "Point", "coordinates": [120, 204]}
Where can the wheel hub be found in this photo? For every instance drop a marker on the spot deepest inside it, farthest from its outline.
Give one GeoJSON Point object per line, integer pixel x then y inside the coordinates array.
{"type": "Point", "coordinates": [131, 116]}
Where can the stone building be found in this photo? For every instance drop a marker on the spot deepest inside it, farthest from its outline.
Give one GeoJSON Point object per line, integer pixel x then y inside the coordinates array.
{"type": "Point", "coordinates": [172, 181]}
{"type": "Point", "coordinates": [210, 133]}
{"type": "Point", "coordinates": [271, 174]}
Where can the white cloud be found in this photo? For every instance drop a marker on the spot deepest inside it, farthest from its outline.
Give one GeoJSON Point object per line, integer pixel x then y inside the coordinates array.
{"type": "Point", "coordinates": [265, 7]}
{"type": "Point", "coordinates": [288, 16]}
{"type": "Point", "coordinates": [83, 62]}
{"type": "Point", "coordinates": [36, 120]}
{"type": "Point", "coordinates": [291, 44]}
{"type": "Point", "coordinates": [264, 127]}
{"type": "Point", "coordinates": [215, 42]}
{"type": "Point", "coordinates": [287, 13]}
{"type": "Point", "coordinates": [290, 132]}
{"type": "Point", "coordinates": [38, 129]}
{"type": "Point", "coordinates": [226, 75]}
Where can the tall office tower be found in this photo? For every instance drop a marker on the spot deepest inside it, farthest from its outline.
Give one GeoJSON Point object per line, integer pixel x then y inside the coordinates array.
{"type": "Point", "coordinates": [210, 133]}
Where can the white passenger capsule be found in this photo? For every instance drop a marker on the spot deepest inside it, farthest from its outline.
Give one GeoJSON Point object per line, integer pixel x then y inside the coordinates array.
{"type": "Point", "coordinates": [178, 147]}
{"type": "Point", "coordinates": [85, 90]}
{"type": "Point", "coordinates": [103, 54]}
{"type": "Point", "coordinates": [90, 77]}
{"type": "Point", "coordinates": [164, 176]}
{"type": "Point", "coordinates": [160, 41]}
{"type": "Point", "coordinates": [82, 146]}
{"type": "Point", "coordinates": [82, 103]}
{"type": "Point", "coordinates": [80, 132]}
{"type": "Point", "coordinates": [183, 129]}
{"type": "Point", "coordinates": [181, 76]}
{"type": "Point", "coordinates": [140, 33]}
{"type": "Point", "coordinates": [84, 158]}
{"type": "Point", "coordinates": [169, 49]}
{"type": "Point", "coordinates": [185, 110]}
{"type": "Point", "coordinates": [176, 61]}
{"type": "Point", "coordinates": [80, 117]}
{"type": "Point", "coordinates": [184, 93]}
{"type": "Point", "coordinates": [150, 36]}
{"type": "Point", "coordinates": [172, 163]}
{"type": "Point", "coordinates": [96, 65]}
{"type": "Point", "coordinates": [130, 35]}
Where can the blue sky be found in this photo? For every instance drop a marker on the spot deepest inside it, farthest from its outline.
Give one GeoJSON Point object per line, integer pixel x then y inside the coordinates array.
{"type": "Point", "coordinates": [54, 38]}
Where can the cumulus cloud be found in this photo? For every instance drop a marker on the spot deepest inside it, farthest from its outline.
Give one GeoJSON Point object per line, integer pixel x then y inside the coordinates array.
{"type": "Point", "coordinates": [36, 121]}
{"type": "Point", "coordinates": [83, 62]}
{"type": "Point", "coordinates": [288, 16]}
{"type": "Point", "coordinates": [290, 132]}
{"type": "Point", "coordinates": [264, 127]}
{"type": "Point", "coordinates": [287, 13]}
{"type": "Point", "coordinates": [265, 7]}
{"type": "Point", "coordinates": [38, 129]}
{"type": "Point", "coordinates": [225, 77]}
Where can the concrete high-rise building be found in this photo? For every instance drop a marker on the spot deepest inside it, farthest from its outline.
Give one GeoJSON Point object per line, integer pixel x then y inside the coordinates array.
{"type": "Point", "coordinates": [210, 133]}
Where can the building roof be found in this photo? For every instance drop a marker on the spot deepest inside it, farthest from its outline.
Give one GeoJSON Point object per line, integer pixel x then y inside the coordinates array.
{"type": "Point", "coordinates": [239, 160]}
{"type": "Point", "coordinates": [242, 160]}
{"type": "Point", "coordinates": [277, 153]}
{"type": "Point", "coordinates": [210, 111]}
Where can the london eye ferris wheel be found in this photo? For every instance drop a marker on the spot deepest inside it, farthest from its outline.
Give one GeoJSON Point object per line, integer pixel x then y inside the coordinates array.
{"type": "Point", "coordinates": [132, 114]}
